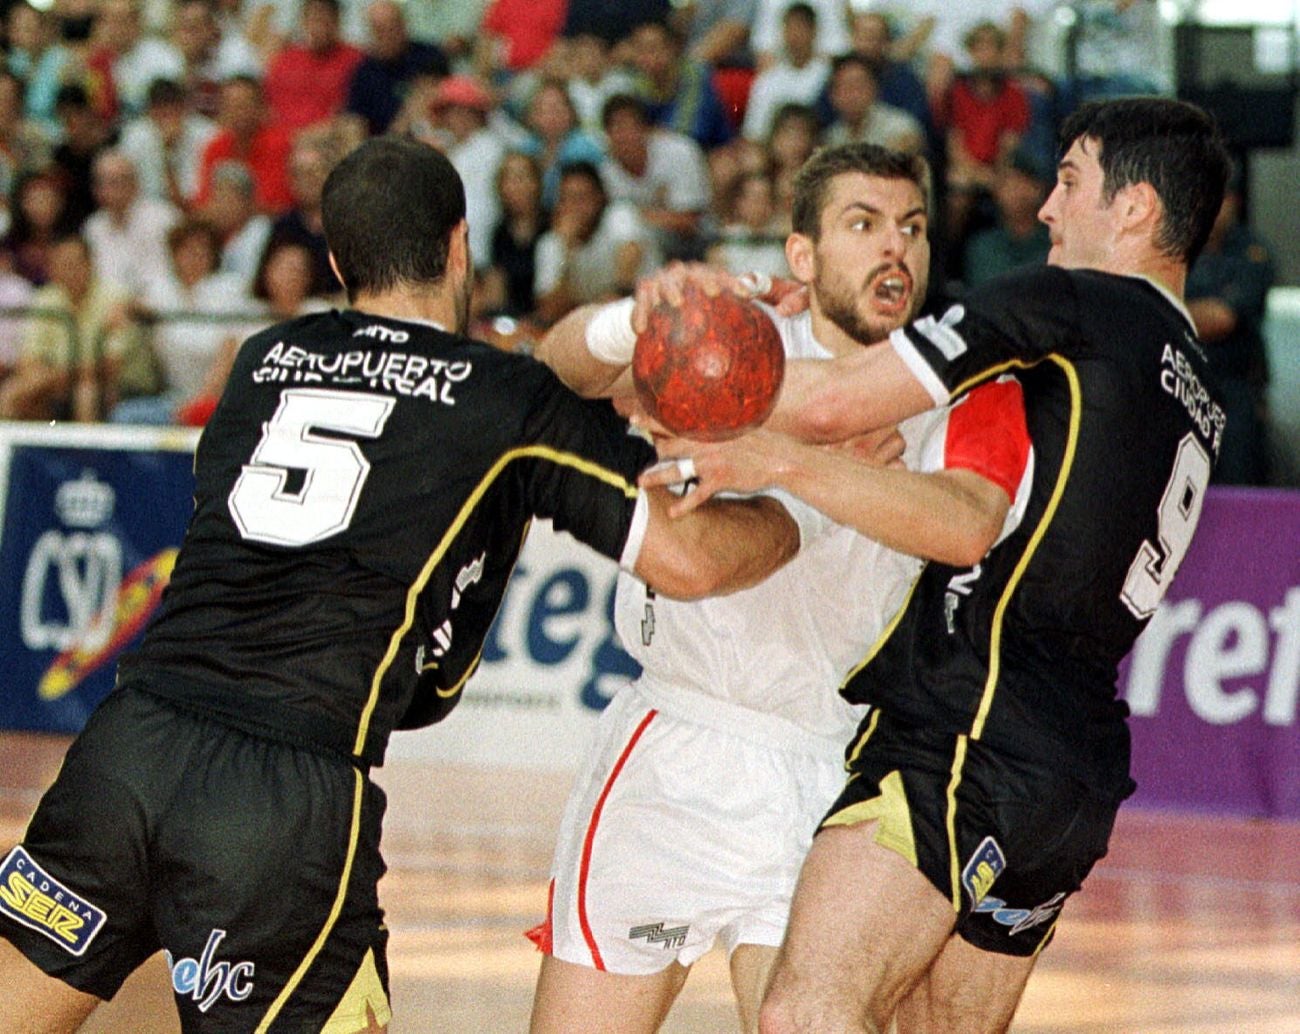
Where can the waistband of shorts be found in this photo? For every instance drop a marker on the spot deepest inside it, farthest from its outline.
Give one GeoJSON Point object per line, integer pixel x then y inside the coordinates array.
{"type": "Point", "coordinates": [744, 722]}
{"type": "Point", "coordinates": [249, 716]}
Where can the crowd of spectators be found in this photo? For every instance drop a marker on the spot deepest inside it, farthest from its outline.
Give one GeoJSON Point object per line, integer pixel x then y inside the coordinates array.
{"type": "Point", "coordinates": [161, 161]}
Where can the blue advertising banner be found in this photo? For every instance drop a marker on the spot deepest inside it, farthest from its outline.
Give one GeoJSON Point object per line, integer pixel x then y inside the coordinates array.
{"type": "Point", "coordinates": [91, 522]}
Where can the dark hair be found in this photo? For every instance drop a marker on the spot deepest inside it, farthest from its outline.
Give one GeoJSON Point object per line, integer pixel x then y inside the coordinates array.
{"type": "Point", "coordinates": [389, 209]}
{"type": "Point", "coordinates": [621, 102]}
{"type": "Point", "coordinates": [1171, 145]}
{"type": "Point", "coordinates": [814, 179]}
{"type": "Point", "coordinates": [192, 227]}
{"type": "Point", "coordinates": [805, 113]}
{"type": "Point", "coordinates": [587, 170]}
{"type": "Point", "coordinates": [853, 58]}
{"type": "Point", "coordinates": [800, 10]}
{"type": "Point", "coordinates": [261, 290]}
{"type": "Point", "coordinates": [165, 91]}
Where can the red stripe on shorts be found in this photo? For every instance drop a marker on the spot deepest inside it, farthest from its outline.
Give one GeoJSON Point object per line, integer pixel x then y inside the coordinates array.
{"type": "Point", "coordinates": [591, 836]}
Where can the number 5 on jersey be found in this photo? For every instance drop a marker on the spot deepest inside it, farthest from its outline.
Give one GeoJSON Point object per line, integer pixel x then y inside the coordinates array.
{"type": "Point", "coordinates": [335, 470]}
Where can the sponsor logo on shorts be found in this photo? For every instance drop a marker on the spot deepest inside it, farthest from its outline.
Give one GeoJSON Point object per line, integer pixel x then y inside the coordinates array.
{"type": "Point", "coordinates": [984, 866]}
{"type": "Point", "coordinates": [654, 933]}
{"type": "Point", "coordinates": [34, 898]}
{"type": "Point", "coordinates": [1021, 918]}
{"type": "Point", "coordinates": [206, 980]}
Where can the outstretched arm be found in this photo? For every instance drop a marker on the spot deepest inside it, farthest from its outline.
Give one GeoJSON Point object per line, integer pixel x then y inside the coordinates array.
{"type": "Point", "coordinates": [952, 516]}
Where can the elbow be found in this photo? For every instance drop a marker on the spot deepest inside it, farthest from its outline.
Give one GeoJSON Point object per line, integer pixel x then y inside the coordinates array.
{"type": "Point", "coordinates": [972, 543]}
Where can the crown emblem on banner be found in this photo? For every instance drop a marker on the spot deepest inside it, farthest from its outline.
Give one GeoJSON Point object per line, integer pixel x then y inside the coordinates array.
{"type": "Point", "coordinates": [84, 503]}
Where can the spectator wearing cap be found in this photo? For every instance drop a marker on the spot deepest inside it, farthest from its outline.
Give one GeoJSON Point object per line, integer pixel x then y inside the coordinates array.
{"type": "Point", "coordinates": [664, 174]}
{"type": "Point", "coordinates": [307, 83]}
{"type": "Point", "coordinates": [797, 77]}
{"type": "Point", "coordinates": [231, 207]}
{"type": "Point", "coordinates": [678, 92]}
{"type": "Point", "coordinates": [166, 144]}
{"type": "Point", "coordinates": [247, 136]}
{"type": "Point", "coordinates": [392, 62]}
{"type": "Point", "coordinates": [460, 110]}
{"type": "Point", "coordinates": [128, 233]}
{"type": "Point", "coordinates": [1017, 238]}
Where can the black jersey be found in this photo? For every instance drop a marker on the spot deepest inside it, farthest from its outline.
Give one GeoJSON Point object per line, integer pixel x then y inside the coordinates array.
{"type": "Point", "coordinates": [1021, 650]}
{"type": "Point", "coordinates": [362, 493]}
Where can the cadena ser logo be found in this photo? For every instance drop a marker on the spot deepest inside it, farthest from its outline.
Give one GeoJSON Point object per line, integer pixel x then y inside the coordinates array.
{"type": "Point", "coordinates": [31, 896]}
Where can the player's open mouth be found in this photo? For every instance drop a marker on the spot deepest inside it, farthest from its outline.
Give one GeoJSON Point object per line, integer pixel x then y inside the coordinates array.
{"type": "Point", "coordinates": [891, 290]}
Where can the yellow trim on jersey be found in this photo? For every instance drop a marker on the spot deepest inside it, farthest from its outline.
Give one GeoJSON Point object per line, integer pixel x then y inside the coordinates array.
{"type": "Point", "coordinates": [862, 740]}
{"type": "Point", "coordinates": [958, 763]}
{"type": "Point", "coordinates": [546, 452]}
{"type": "Point", "coordinates": [364, 1005]}
{"type": "Point", "coordinates": [1058, 490]}
{"type": "Point", "coordinates": [335, 910]}
{"type": "Point", "coordinates": [894, 831]}
{"type": "Point", "coordinates": [888, 630]}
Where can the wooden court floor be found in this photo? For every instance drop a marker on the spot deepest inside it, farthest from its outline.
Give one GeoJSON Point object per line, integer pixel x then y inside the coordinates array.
{"type": "Point", "coordinates": [1190, 926]}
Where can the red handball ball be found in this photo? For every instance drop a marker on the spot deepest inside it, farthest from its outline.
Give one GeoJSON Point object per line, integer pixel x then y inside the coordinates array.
{"type": "Point", "coordinates": [710, 368]}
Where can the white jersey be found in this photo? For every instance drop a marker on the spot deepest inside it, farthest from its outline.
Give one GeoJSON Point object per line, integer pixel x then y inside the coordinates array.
{"type": "Point", "coordinates": [779, 649]}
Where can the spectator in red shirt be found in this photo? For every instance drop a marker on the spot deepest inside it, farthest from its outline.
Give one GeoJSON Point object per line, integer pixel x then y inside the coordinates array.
{"type": "Point", "coordinates": [248, 137]}
{"type": "Point", "coordinates": [307, 82]}
{"type": "Point", "coordinates": [986, 114]}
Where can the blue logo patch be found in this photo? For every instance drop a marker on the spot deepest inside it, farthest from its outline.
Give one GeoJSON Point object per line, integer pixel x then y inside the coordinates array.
{"type": "Point", "coordinates": [205, 980]}
{"type": "Point", "coordinates": [34, 898]}
{"type": "Point", "coordinates": [985, 866]}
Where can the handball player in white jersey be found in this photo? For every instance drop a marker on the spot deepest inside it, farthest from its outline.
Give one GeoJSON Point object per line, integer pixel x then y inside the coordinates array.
{"type": "Point", "coordinates": [691, 817]}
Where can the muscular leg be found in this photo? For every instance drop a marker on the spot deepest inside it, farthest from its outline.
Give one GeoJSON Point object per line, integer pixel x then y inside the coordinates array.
{"type": "Point", "coordinates": [34, 1003]}
{"type": "Point", "coordinates": [864, 927]}
{"type": "Point", "coordinates": [751, 965]}
{"type": "Point", "coordinates": [572, 999]}
{"type": "Point", "coordinates": [966, 991]}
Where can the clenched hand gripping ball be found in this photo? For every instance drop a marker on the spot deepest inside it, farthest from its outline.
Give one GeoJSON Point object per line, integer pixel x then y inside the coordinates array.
{"type": "Point", "coordinates": [710, 368]}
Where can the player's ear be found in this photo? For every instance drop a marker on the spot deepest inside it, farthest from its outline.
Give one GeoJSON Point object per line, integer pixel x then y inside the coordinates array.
{"type": "Point", "coordinates": [799, 254]}
{"type": "Point", "coordinates": [1139, 206]}
{"type": "Point", "coordinates": [458, 257]}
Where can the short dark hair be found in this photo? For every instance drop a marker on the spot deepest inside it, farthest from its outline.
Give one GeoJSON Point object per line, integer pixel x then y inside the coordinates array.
{"type": "Point", "coordinates": [813, 181]}
{"type": "Point", "coordinates": [165, 91]}
{"type": "Point", "coordinates": [389, 209]}
{"type": "Point", "coordinates": [799, 9]}
{"type": "Point", "coordinates": [588, 171]}
{"type": "Point", "coordinates": [621, 102]}
{"type": "Point", "coordinates": [1172, 145]}
{"type": "Point", "coordinates": [852, 58]}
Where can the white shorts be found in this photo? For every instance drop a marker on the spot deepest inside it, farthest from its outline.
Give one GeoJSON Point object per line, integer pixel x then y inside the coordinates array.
{"type": "Point", "coordinates": [676, 833]}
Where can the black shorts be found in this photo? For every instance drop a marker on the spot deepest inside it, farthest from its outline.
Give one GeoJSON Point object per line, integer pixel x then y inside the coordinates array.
{"type": "Point", "coordinates": [255, 864]}
{"type": "Point", "coordinates": [1004, 839]}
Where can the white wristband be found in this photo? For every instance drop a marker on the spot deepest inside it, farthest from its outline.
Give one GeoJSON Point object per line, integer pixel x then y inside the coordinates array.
{"type": "Point", "coordinates": [610, 337]}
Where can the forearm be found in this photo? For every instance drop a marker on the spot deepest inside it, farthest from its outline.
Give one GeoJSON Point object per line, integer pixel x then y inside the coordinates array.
{"type": "Point", "coordinates": [722, 546]}
{"type": "Point", "coordinates": [952, 516]}
{"type": "Point", "coordinates": [828, 401]}
{"type": "Point", "coordinates": [564, 349]}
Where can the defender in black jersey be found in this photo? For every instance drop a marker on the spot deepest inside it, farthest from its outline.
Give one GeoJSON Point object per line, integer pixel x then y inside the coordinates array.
{"type": "Point", "coordinates": [984, 781]}
{"type": "Point", "coordinates": [362, 493]}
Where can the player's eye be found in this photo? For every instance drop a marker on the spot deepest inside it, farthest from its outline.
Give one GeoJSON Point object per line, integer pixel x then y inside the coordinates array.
{"type": "Point", "coordinates": [914, 230]}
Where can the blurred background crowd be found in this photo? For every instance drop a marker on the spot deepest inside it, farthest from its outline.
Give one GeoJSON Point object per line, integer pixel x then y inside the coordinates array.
{"type": "Point", "coordinates": [161, 161]}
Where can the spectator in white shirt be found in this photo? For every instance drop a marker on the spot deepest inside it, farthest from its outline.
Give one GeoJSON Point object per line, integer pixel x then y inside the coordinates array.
{"type": "Point", "coordinates": [663, 173]}
{"type": "Point", "coordinates": [167, 144]}
{"type": "Point", "coordinates": [127, 234]}
{"type": "Point", "coordinates": [860, 117]}
{"type": "Point", "coordinates": [137, 59]}
{"type": "Point", "coordinates": [797, 78]}
{"type": "Point", "coordinates": [232, 209]}
{"type": "Point", "coordinates": [832, 29]}
{"type": "Point", "coordinates": [595, 249]}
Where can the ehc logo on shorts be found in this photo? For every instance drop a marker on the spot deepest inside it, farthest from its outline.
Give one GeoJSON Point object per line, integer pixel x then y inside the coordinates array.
{"type": "Point", "coordinates": [30, 895]}
{"type": "Point", "coordinates": [205, 980]}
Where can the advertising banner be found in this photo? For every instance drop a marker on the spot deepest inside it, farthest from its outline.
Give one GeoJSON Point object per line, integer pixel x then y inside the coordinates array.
{"type": "Point", "coordinates": [91, 521]}
{"type": "Point", "coordinates": [1214, 679]}
{"type": "Point", "coordinates": [92, 517]}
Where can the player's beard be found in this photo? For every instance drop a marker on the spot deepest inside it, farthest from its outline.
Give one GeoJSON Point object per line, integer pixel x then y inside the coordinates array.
{"type": "Point", "coordinates": [841, 302]}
